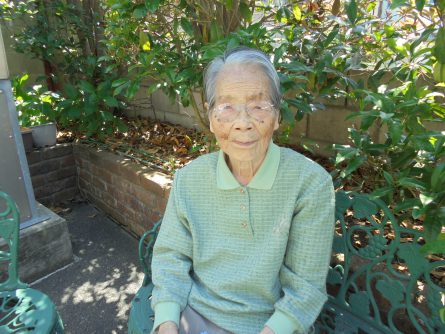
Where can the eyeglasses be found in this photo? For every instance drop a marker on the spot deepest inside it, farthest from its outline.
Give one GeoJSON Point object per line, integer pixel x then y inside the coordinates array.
{"type": "Point", "coordinates": [228, 112]}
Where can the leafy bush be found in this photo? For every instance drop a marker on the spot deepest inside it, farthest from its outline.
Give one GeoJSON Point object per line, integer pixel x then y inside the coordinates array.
{"type": "Point", "coordinates": [35, 105]}
{"type": "Point", "coordinates": [400, 95]}
{"type": "Point", "coordinates": [67, 37]}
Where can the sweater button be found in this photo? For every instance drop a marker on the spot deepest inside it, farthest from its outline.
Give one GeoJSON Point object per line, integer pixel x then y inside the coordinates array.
{"type": "Point", "coordinates": [241, 191]}
{"type": "Point", "coordinates": [243, 207]}
{"type": "Point", "coordinates": [244, 224]}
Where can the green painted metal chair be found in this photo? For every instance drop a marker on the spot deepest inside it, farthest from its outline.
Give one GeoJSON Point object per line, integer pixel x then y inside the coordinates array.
{"type": "Point", "coordinates": [141, 315]}
{"type": "Point", "coordinates": [379, 281]}
{"type": "Point", "coordinates": [376, 282]}
{"type": "Point", "coordinates": [22, 309]}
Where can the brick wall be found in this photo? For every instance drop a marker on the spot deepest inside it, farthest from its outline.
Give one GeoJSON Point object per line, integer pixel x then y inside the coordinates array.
{"type": "Point", "coordinates": [134, 195]}
{"type": "Point", "coordinates": [53, 174]}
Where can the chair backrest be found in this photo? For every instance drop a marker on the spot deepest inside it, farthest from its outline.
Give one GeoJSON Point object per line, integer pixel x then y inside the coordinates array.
{"type": "Point", "coordinates": [379, 280]}
{"type": "Point", "coordinates": [9, 244]}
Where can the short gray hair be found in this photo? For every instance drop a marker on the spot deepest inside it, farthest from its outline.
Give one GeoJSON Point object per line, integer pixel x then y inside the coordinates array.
{"type": "Point", "coordinates": [242, 55]}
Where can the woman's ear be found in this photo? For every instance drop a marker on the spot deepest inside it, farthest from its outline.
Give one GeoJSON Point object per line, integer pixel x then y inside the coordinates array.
{"type": "Point", "coordinates": [277, 121]}
{"type": "Point", "coordinates": [207, 106]}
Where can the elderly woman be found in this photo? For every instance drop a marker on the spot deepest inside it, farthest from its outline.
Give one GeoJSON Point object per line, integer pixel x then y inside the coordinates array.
{"type": "Point", "coordinates": [246, 238]}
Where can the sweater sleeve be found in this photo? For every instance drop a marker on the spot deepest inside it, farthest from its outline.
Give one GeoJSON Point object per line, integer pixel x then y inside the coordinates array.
{"type": "Point", "coordinates": [305, 267]}
{"type": "Point", "coordinates": [171, 263]}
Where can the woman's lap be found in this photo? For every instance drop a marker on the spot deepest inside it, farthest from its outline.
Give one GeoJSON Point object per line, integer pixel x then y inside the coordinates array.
{"type": "Point", "coordinates": [192, 322]}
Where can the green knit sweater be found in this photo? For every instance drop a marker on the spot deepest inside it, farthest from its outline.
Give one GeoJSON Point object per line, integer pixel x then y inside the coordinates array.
{"type": "Point", "coordinates": [246, 256]}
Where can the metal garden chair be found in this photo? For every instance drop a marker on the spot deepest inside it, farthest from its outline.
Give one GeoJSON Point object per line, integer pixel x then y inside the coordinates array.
{"type": "Point", "coordinates": [22, 309]}
{"type": "Point", "coordinates": [367, 291]}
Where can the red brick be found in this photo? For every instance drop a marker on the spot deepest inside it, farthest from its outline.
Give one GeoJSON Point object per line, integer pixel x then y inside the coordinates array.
{"type": "Point", "coordinates": [114, 168]}
{"type": "Point", "coordinates": [145, 196]}
{"type": "Point", "coordinates": [61, 174]}
{"type": "Point", "coordinates": [59, 150]}
{"type": "Point", "coordinates": [34, 157]}
{"type": "Point", "coordinates": [108, 199]}
{"type": "Point", "coordinates": [131, 172]}
{"type": "Point", "coordinates": [67, 161]}
{"type": "Point", "coordinates": [98, 183]}
{"type": "Point", "coordinates": [124, 186]}
{"type": "Point", "coordinates": [84, 185]}
{"type": "Point", "coordinates": [95, 170]}
{"type": "Point", "coordinates": [44, 167]}
{"type": "Point", "coordinates": [38, 180]}
{"type": "Point", "coordinates": [107, 177]}
{"type": "Point", "coordinates": [161, 204]}
{"type": "Point", "coordinates": [64, 195]}
{"type": "Point", "coordinates": [84, 175]}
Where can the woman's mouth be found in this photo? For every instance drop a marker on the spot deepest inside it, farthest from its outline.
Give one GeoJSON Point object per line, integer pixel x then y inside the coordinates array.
{"type": "Point", "coordinates": [244, 143]}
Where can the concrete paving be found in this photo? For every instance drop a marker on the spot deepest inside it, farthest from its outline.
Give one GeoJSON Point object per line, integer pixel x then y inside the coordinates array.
{"type": "Point", "coordinates": [93, 294]}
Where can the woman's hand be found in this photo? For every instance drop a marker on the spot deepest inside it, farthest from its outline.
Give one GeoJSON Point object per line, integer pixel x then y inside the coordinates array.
{"type": "Point", "coordinates": [267, 330]}
{"type": "Point", "coordinates": [168, 327]}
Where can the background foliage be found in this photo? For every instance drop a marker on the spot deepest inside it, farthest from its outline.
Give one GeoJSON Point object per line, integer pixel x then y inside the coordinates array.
{"type": "Point", "coordinates": [387, 63]}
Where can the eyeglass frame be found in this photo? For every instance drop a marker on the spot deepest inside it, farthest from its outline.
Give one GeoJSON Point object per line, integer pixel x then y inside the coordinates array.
{"type": "Point", "coordinates": [237, 108]}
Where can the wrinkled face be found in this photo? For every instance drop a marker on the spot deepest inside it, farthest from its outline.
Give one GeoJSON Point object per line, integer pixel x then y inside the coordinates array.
{"type": "Point", "coordinates": [245, 137]}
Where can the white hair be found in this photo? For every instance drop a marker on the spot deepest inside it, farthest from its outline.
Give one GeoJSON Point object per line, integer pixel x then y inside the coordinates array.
{"type": "Point", "coordinates": [242, 55]}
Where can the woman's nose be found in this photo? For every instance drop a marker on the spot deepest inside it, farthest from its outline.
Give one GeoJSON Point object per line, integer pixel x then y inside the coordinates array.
{"type": "Point", "coordinates": [243, 122]}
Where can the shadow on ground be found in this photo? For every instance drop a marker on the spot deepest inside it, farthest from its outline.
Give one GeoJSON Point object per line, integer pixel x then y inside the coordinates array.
{"type": "Point", "coordinates": [94, 293]}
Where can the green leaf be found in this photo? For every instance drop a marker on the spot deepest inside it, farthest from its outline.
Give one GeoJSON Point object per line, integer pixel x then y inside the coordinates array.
{"type": "Point", "coordinates": [420, 4]}
{"type": "Point", "coordinates": [440, 4]}
{"type": "Point", "coordinates": [439, 47]}
{"type": "Point", "coordinates": [229, 4]}
{"type": "Point", "coordinates": [395, 131]}
{"type": "Point", "coordinates": [132, 89]}
{"type": "Point", "coordinates": [107, 116]}
{"type": "Point", "coordinates": [380, 192]}
{"type": "Point", "coordinates": [412, 203]}
{"type": "Point", "coordinates": [111, 101]}
{"type": "Point", "coordinates": [389, 30]}
{"type": "Point", "coordinates": [139, 12]}
{"type": "Point", "coordinates": [71, 91]}
{"type": "Point", "coordinates": [437, 246]}
{"type": "Point", "coordinates": [144, 41]}
{"type": "Point", "coordinates": [286, 114]}
{"type": "Point", "coordinates": [87, 87]}
{"type": "Point", "coordinates": [432, 225]}
{"type": "Point", "coordinates": [187, 26]}
{"type": "Point", "coordinates": [393, 290]}
{"type": "Point", "coordinates": [297, 12]}
{"type": "Point", "coordinates": [119, 82]}
{"type": "Point", "coordinates": [304, 107]}
{"type": "Point", "coordinates": [363, 207]}
{"type": "Point", "coordinates": [216, 32]}
{"type": "Point", "coordinates": [389, 179]}
{"type": "Point", "coordinates": [152, 5]}
{"type": "Point", "coordinates": [437, 176]}
{"type": "Point", "coordinates": [330, 37]}
{"type": "Point", "coordinates": [398, 3]}
{"type": "Point", "coordinates": [410, 182]}
{"type": "Point", "coordinates": [245, 11]}
{"type": "Point", "coordinates": [353, 164]}
{"type": "Point", "coordinates": [351, 10]}
{"type": "Point", "coordinates": [442, 314]}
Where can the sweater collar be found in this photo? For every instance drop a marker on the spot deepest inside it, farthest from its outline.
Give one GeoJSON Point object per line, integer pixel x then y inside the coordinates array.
{"type": "Point", "coordinates": [263, 179]}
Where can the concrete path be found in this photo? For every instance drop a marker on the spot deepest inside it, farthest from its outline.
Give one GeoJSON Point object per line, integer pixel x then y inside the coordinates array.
{"type": "Point", "coordinates": [93, 294]}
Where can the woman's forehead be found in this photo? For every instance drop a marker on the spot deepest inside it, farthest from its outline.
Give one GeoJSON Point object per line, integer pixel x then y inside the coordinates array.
{"type": "Point", "coordinates": [242, 82]}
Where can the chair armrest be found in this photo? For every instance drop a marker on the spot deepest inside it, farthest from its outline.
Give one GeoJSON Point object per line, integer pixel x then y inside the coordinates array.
{"type": "Point", "coordinates": [146, 244]}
